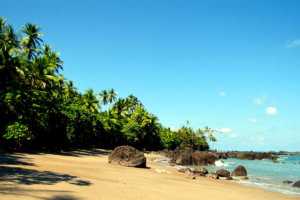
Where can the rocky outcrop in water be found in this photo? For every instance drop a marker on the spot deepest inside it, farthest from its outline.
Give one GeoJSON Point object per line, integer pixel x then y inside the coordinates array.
{"type": "Point", "coordinates": [287, 182]}
{"type": "Point", "coordinates": [186, 156]}
{"type": "Point", "coordinates": [239, 171]}
{"type": "Point", "coordinates": [297, 184]}
{"type": "Point", "coordinates": [127, 156]}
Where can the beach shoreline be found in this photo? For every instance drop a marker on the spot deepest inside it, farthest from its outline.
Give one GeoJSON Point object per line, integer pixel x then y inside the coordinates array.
{"type": "Point", "coordinates": [86, 174]}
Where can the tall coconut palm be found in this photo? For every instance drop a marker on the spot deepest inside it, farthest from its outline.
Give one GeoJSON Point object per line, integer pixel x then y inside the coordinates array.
{"type": "Point", "coordinates": [109, 120]}
{"type": "Point", "coordinates": [53, 58]}
{"type": "Point", "coordinates": [9, 63]}
{"type": "Point", "coordinates": [121, 108]}
{"type": "Point", "coordinates": [41, 73]}
{"type": "Point", "coordinates": [112, 95]}
{"type": "Point", "coordinates": [32, 41]}
{"type": "Point", "coordinates": [104, 97]}
{"type": "Point", "coordinates": [69, 89]}
{"type": "Point", "coordinates": [90, 101]}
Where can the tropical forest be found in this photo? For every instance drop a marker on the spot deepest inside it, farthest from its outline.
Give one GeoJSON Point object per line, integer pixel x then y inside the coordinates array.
{"type": "Point", "coordinates": [40, 108]}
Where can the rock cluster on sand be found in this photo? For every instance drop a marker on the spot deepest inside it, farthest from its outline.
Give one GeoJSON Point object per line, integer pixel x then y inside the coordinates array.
{"type": "Point", "coordinates": [127, 156]}
{"type": "Point", "coordinates": [200, 171]}
{"type": "Point", "coordinates": [239, 172]}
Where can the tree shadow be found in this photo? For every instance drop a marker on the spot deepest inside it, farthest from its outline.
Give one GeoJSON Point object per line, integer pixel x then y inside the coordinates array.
{"type": "Point", "coordinates": [35, 194]}
{"type": "Point", "coordinates": [13, 159]}
{"type": "Point", "coordinates": [30, 177]}
{"type": "Point", "coordinates": [63, 197]}
{"type": "Point", "coordinates": [84, 152]}
{"type": "Point", "coordinates": [74, 152]}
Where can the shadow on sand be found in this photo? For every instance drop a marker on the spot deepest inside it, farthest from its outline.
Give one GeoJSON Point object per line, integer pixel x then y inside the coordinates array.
{"type": "Point", "coordinates": [30, 177]}
{"type": "Point", "coordinates": [14, 159]}
{"type": "Point", "coordinates": [71, 152]}
{"type": "Point", "coordinates": [20, 175]}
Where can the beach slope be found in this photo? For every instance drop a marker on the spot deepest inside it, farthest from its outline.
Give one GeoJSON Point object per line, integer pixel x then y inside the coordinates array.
{"type": "Point", "coordinates": [86, 174]}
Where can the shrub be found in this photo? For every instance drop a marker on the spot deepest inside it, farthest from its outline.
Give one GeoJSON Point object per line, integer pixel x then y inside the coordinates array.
{"type": "Point", "coordinates": [18, 133]}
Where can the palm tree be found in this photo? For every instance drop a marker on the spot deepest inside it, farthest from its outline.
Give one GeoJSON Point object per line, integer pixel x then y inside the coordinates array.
{"type": "Point", "coordinates": [32, 41]}
{"type": "Point", "coordinates": [121, 108]}
{"type": "Point", "coordinates": [90, 101]}
{"type": "Point", "coordinates": [41, 73]}
{"type": "Point", "coordinates": [53, 58]}
{"type": "Point", "coordinates": [10, 66]}
{"type": "Point", "coordinates": [104, 97]}
{"type": "Point", "coordinates": [69, 90]}
{"type": "Point", "coordinates": [109, 120]}
{"type": "Point", "coordinates": [112, 95]}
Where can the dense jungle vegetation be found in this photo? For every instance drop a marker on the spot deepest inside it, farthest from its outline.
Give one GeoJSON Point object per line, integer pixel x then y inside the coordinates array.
{"type": "Point", "coordinates": [39, 107]}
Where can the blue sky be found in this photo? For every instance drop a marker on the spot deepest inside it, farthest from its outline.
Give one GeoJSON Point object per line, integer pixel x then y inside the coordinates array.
{"type": "Point", "coordinates": [232, 65]}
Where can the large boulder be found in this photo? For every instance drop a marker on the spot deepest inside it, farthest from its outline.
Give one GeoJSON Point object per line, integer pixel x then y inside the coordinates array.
{"type": "Point", "coordinates": [223, 173]}
{"type": "Point", "coordinates": [239, 171]}
{"type": "Point", "coordinates": [297, 184]}
{"type": "Point", "coordinates": [127, 156]}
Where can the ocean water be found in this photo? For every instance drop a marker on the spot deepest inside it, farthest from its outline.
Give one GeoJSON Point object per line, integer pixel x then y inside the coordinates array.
{"type": "Point", "coordinates": [266, 174]}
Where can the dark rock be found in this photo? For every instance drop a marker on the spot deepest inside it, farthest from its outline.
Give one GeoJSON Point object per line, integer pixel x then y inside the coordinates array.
{"type": "Point", "coordinates": [297, 184]}
{"type": "Point", "coordinates": [229, 178]}
{"type": "Point", "coordinates": [127, 156]}
{"type": "Point", "coordinates": [186, 156]}
{"type": "Point", "coordinates": [245, 156]}
{"type": "Point", "coordinates": [200, 171]}
{"type": "Point", "coordinates": [223, 173]}
{"type": "Point", "coordinates": [239, 171]}
{"type": "Point", "coordinates": [181, 156]}
{"type": "Point", "coordinates": [287, 182]}
{"type": "Point", "coordinates": [203, 158]}
{"type": "Point", "coordinates": [253, 155]}
{"type": "Point", "coordinates": [275, 161]}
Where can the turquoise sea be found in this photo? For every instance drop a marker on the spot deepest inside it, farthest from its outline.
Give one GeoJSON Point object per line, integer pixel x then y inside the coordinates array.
{"type": "Point", "coordinates": [266, 174]}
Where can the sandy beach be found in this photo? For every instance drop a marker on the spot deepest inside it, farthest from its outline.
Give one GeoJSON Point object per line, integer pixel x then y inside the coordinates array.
{"type": "Point", "coordinates": [86, 174]}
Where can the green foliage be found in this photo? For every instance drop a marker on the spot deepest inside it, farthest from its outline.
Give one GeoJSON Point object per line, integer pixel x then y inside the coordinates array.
{"type": "Point", "coordinates": [39, 107]}
{"type": "Point", "coordinates": [18, 133]}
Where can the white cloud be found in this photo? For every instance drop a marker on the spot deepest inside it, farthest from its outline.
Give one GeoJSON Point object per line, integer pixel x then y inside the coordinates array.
{"type": "Point", "coordinates": [271, 111]}
{"type": "Point", "coordinates": [223, 130]}
{"type": "Point", "coordinates": [253, 120]}
{"type": "Point", "coordinates": [222, 94]}
{"type": "Point", "coordinates": [258, 101]}
{"type": "Point", "coordinates": [294, 43]}
{"type": "Point", "coordinates": [233, 135]}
